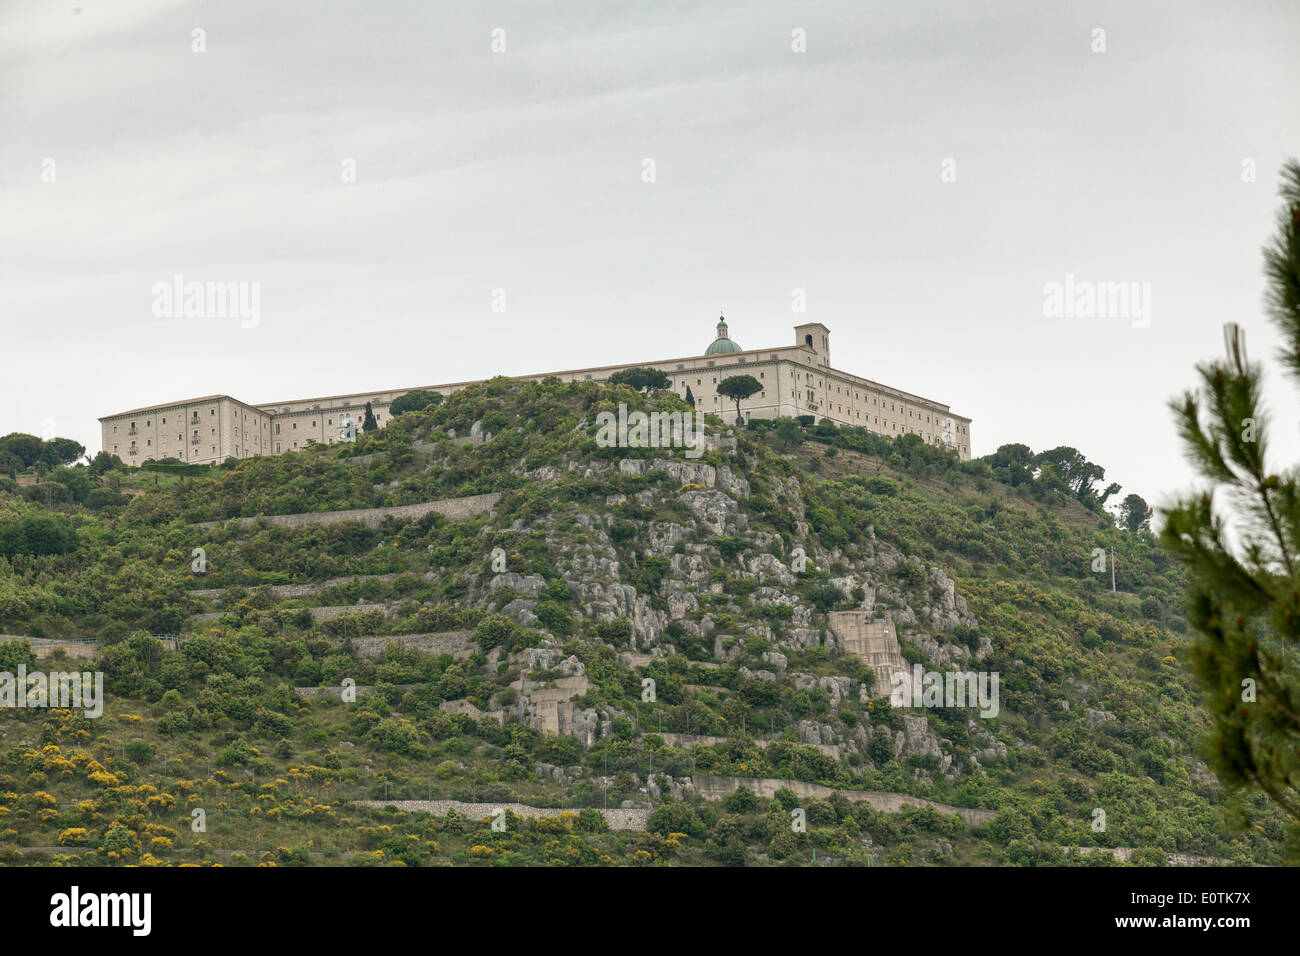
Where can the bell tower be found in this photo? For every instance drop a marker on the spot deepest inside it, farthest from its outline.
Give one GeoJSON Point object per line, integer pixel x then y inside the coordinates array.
{"type": "Point", "coordinates": [815, 336]}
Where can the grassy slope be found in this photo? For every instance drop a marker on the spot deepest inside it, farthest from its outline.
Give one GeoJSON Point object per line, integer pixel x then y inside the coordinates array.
{"type": "Point", "coordinates": [273, 772]}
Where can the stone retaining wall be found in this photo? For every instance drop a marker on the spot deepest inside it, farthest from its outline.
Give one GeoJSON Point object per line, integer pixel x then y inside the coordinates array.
{"type": "Point", "coordinates": [453, 509]}
{"type": "Point", "coordinates": [282, 591]}
{"type": "Point", "coordinates": [691, 740]}
{"type": "Point", "coordinates": [715, 788]}
{"type": "Point", "coordinates": [617, 819]}
{"type": "Point", "coordinates": [455, 643]}
{"type": "Point", "coordinates": [319, 613]}
{"type": "Point", "coordinates": [43, 647]}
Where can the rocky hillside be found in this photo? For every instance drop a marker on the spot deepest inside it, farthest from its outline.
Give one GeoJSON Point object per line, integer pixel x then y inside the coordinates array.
{"type": "Point", "coordinates": [480, 604]}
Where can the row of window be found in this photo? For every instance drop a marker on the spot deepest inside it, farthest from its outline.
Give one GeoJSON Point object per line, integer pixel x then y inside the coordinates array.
{"type": "Point", "coordinates": [149, 423]}
{"type": "Point", "coordinates": [133, 450]}
{"type": "Point", "coordinates": [811, 400]}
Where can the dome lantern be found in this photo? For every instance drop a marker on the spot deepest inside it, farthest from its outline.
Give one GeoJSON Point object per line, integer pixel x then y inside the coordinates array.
{"type": "Point", "coordinates": [723, 343]}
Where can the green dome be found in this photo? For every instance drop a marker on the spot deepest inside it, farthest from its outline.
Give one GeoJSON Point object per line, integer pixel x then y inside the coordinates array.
{"type": "Point", "coordinates": [722, 344]}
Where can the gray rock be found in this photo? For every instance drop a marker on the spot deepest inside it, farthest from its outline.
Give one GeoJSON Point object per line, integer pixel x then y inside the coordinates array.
{"type": "Point", "coordinates": [778, 662]}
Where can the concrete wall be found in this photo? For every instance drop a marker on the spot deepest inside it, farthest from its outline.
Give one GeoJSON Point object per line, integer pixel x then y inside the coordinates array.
{"type": "Point", "coordinates": [551, 705]}
{"type": "Point", "coordinates": [873, 641]}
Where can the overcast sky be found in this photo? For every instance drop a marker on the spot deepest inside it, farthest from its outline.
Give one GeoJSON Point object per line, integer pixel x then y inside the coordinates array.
{"type": "Point", "coordinates": [921, 170]}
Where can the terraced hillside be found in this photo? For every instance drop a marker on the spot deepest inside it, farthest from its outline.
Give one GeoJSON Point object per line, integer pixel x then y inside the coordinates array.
{"type": "Point", "coordinates": [357, 654]}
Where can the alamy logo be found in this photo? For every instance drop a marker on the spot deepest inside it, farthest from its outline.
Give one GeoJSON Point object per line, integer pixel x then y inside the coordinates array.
{"type": "Point", "coordinates": [347, 427]}
{"type": "Point", "coordinates": [1085, 299]}
{"type": "Point", "coordinates": [922, 688]}
{"type": "Point", "coordinates": [179, 299]}
{"type": "Point", "coordinates": [102, 909]}
{"type": "Point", "coordinates": [651, 430]}
{"type": "Point", "coordinates": [84, 691]}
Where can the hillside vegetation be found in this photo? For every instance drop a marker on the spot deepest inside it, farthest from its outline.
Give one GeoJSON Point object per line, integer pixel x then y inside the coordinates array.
{"type": "Point", "coordinates": [621, 628]}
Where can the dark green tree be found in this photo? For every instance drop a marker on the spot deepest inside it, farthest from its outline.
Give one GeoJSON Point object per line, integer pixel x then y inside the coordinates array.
{"type": "Point", "coordinates": [1135, 513]}
{"type": "Point", "coordinates": [789, 432]}
{"type": "Point", "coordinates": [65, 449]}
{"type": "Point", "coordinates": [738, 388]}
{"type": "Point", "coordinates": [641, 379]}
{"type": "Point", "coordinates": [1239, 539]}
{"type": "Point", "coordinates": [1012, 464]}
{"type": "Point", "coordinates": [1077, 474]}
{"type": "Point", "coordinates": [105, 462]}
{"type": "Point", "coordinates": [414, 401]}
{"type": "Point", "coordinates": [368, 423]}
{"type": "Point", "coordinates": [690, 399]}
{"type": "Point", "coordinates": [26, 448]}
{"type": "Point", "coordinates": [38, 534]}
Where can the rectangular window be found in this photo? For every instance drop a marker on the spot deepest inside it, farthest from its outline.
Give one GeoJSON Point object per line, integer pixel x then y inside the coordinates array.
{"type": "Point", "coordinates": [277, 428]}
